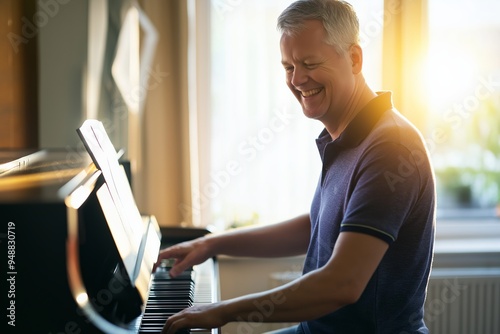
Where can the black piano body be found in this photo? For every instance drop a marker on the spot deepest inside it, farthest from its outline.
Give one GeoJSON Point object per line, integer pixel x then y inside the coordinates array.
{"type": "Point", "coordinates": [60, 253]}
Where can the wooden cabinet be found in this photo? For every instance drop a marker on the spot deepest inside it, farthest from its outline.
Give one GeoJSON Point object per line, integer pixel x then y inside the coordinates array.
{"type": "Point", "coordinates": [18, 74]}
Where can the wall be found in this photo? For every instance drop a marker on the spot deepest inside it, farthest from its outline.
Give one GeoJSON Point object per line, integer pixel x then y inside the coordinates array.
{"type": "Point", "coordinates": [18, 75]}
{"type": "Point", "coordinates": [62, 58]}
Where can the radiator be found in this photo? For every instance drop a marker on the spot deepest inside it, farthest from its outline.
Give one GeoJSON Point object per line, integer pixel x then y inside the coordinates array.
{"type": "Point", "coordinates": [459, 300]}
{"type": "Point", "coordinates": [463, 301]}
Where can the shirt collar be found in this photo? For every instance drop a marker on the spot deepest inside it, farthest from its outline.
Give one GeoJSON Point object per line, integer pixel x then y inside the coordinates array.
{"type": "Point", "coordinates": [361, 125]}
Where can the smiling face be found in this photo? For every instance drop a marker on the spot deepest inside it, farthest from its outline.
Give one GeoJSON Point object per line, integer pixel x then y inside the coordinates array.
{"type": "Point", "coordinates": [322, 80]}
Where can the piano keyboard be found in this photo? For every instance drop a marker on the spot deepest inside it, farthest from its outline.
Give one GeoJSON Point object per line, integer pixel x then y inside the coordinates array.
{"type": "Point", "coordinates": [168, 296]}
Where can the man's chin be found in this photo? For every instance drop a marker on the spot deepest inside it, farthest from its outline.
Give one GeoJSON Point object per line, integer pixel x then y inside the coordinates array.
{"type": "Point", "coordinates": [311, 113]}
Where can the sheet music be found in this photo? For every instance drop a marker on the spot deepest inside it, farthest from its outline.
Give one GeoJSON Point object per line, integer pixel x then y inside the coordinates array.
{"type": "Point", "coordinates": [104, 156]}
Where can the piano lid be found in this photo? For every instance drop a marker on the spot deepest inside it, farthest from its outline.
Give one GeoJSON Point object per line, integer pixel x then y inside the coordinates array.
{"type": "Point", "coordinates": [38, 175]}
{"type": "Point", "coordinates": [12, 158]}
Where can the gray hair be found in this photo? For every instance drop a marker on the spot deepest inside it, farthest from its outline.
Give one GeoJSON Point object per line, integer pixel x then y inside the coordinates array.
{"type": "Point", "coordinates": [338, 18]}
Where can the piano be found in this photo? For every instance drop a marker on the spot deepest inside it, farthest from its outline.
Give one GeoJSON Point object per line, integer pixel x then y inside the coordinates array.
{"type": "Point", "coordinates": [78, 259]}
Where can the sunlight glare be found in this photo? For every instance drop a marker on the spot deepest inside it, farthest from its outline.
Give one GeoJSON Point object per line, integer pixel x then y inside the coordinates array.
{"type": "Point", "coordinates": [449, 75]}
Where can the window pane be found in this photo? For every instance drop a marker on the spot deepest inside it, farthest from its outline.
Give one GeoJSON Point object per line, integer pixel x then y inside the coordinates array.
{"type": "Point", "coordinates": [464, 99]}
{"type": "Point", "coordinates": [263, 157]}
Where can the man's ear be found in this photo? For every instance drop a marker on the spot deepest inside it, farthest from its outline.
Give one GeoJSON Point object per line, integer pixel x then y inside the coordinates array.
{"type": "Point", "coordinates": [356, 56]}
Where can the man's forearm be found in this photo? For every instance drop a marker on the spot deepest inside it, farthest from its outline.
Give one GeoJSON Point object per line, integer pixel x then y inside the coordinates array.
{"type": "Point", "coordinates": [288, 238]}
{"type": "Point", "coordinates": [307, 298]}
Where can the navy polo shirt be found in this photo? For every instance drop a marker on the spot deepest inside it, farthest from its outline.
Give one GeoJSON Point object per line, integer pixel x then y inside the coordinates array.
{"type": "Point", "coordinates": [376, 179]}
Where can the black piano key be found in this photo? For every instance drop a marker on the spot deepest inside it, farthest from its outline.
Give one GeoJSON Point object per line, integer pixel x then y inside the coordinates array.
{"type": "Point", "coordinates": [166, 307]}
{"type": "Point", "coordinates": [161, 311]}
{"type": "Point", "coordinates": [171, 301]}
{"type": "Point", "coordinates": [172, 285]}
{"type": "Point", "coordinates": [158, 330]}
{"type": "Point", "coordinates": [156, 317]}
{"type": "Point", "coordinates": [185, 291]}
{"type": "Point", "coordinates": [181, 289]}
{"type": "Point", "coordinates": [171, 298]}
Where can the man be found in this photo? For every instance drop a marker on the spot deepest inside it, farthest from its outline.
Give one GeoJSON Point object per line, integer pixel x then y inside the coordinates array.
{"type": "Point", "coordinates": [369, 234]}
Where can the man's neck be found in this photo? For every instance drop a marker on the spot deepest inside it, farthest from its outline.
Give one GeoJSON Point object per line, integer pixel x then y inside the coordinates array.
{"type": "Point", "coordinates": [360, 98]}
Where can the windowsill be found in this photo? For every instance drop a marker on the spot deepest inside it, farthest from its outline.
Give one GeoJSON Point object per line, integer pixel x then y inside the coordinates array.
{"type": "Point", "coordinates": [459, 230]}
{"type": "Point", "coordinates": [464, 213]}
{"type": "Point", "coordinates": [229, 258]}
{"type": "Point", "coordinates": [466, 227]}
{"type": "Point", "coordinates": [467, 241]}
{"type": "Point", "coordinates": [460, 246]}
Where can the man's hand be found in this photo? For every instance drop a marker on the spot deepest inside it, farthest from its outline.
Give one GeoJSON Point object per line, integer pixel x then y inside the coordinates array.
{"type": "Point", "coordinates": [186, 255]}
{"type": "Point", "coordinates": [198, 316]}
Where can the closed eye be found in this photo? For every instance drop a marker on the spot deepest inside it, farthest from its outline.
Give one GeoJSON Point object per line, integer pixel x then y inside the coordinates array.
{"type": "Point", "coordinates": [311, 66]}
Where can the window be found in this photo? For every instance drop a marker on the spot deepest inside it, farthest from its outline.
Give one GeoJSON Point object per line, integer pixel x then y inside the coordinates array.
{"type": "Point", "coordinates": [464, 104]}
{"type": "Point", "coordinates": [264, 163]}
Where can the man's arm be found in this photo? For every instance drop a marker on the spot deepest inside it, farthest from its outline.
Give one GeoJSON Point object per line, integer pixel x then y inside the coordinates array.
{"type": "Point", "coordinates": [340, 282]}
{"type": "Point", "coordinates": [288, 238]}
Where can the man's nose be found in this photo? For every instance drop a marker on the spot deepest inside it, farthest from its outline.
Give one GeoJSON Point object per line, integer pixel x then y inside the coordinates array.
{"type": "Point", "coordinates": [299, 77]}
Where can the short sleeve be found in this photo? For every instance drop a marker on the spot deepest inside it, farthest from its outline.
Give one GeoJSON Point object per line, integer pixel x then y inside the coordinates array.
{"type": "Point", "coordinates": [385, 188]}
